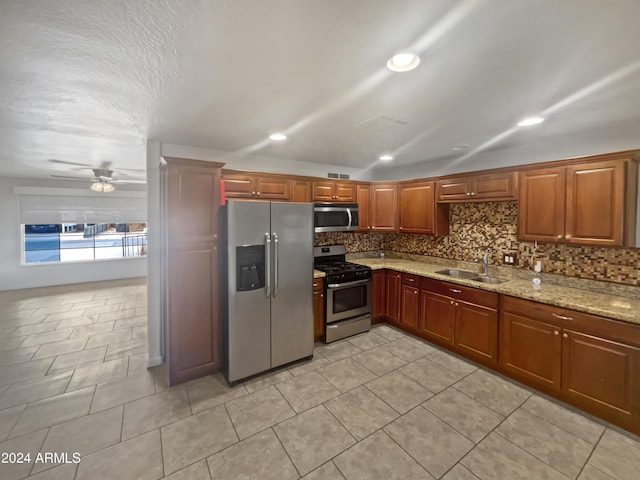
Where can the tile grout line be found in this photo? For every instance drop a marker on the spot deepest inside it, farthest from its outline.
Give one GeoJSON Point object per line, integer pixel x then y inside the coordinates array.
{"type": "Point", "coordinates": [285, 451]}
{"type": "Point", "coordinates": [595, 446]}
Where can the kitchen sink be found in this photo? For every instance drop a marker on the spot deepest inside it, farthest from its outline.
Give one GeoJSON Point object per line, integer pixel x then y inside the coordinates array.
{"type": "Point", "coordinates": [454, 272]}
{"type": "Point", "coordinates": [487, 279]}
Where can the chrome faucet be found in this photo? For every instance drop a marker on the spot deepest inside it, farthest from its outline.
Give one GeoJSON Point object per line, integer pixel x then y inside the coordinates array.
{"type": "Point", "coordinates": [485, 264]}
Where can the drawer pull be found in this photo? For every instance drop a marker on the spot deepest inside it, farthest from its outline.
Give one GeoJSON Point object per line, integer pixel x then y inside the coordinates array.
{"type": "Point", "coordinates": [315, 284]}
{"type": "Point", "coordinates": [455, 290]}
{"type": "Point", "coordinates": [411, 279]}
{"type": "Point", "coordinates": [564, 335]}
{"type": "Point", "coordinates": [561, 317]}
{"type": "Point", "coordinates": [556, 332]}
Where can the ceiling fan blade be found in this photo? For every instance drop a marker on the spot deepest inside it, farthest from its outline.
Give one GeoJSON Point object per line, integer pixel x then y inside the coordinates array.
{"type": "Point", "coordinates": [118, 181]}
{"type": "Point", "coordinates": [71, 178]}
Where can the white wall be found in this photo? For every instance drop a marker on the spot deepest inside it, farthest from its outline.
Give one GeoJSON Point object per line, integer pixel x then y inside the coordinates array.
{"type": "Point", "coordinates": [14, 275]}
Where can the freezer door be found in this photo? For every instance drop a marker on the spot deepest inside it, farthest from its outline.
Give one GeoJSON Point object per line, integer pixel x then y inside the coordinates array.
{"type": "Point", "coordinates": [249, 322]}
{"type": "Point", "coordinates": [292, 290]}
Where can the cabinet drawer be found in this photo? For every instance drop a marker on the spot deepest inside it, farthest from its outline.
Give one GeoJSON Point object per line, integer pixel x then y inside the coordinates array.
{"type": "Point", "coordinates": [468, 294]}
{"type": "Point", "coordinates": [410, 279]}
{"type": "Point", "coordinates": [318, 284]}
{"type": "Point", "coordinates": [585, 322]}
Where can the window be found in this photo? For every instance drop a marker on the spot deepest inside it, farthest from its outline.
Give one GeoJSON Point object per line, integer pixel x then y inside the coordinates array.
{"type": "Point", "coordinates": [72, 242]}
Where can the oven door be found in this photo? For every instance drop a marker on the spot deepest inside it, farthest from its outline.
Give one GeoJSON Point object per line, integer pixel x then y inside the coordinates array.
{"type": "Point", "coordinates": [346, 300]}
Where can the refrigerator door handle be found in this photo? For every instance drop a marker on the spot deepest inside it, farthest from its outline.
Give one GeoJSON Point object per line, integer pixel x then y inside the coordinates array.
{"type": "Point", "coordinates": [275, 264]}
{"type": "Point", "coordinates": [267, 261]}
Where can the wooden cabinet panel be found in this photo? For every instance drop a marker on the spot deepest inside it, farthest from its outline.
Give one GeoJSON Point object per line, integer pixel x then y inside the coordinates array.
{"type": "Point", "coordinates": [393, 297]}
{"type": "Point", "coordinates": [238, 186]}
{"type": "Point", "coordinates": [379, 289]}
{"type": "Point", "coordinates": [499, 186]}
{"type": "Point", "coordinates": [419, 212]}
{"type": "Point", "coordinates": [541, 205]}
{"type": "Point", "coordinates": [318, 308]}
{"type": "Point", "coordinates": [345, 192]}
{"type": "Point", "coordinates": [300, 191]}
{"type": "Point", "coordinates": [453, 190]}
{"type": "Point", "coordinates": [460, 292]}
{"type": "Point", "coordinates": [476, 331]}
{"type": "Point", "coordinates": [191, 196]}
{"type": "Point", "coordinates": [595, 207]}
{"type": "Point", "coordinates": [384, 208]}
{"type": "Point", "coordinates": [272, 188]}
{"type": "Point", "coordinates": [437, 316]}
{"type": "Point", "coordinates": [363, 198]}
{"type": "Point", "coordinates": [531, 350]}
{"type": "Point", "coordinates": [409, 306]}
{"type": "Point", "coordinates": [602, 375]}
{"type": "Point", "coordinates": [334, 191]}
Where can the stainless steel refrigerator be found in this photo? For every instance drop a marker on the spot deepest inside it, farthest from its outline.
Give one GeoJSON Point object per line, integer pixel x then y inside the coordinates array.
{"type": "Point", "coordinates": [267, 299]}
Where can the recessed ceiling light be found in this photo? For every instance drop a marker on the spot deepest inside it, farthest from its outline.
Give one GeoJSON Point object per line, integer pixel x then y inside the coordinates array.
{"type": "Point", "coordinates": [527, 122]}
{"type": "Point", "coordinates": [278, 137]}
{"type": "Point", "coordinates": [403, 62]}
{"type": "Point", "coordinates": [460, 148]}
{"type": "Point", "coordinates": [385, 158]}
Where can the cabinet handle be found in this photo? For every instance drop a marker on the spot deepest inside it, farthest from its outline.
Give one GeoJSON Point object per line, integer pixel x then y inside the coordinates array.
{"type": "Point", "coordinates": [556, 332]}
{"type": "Point", "coordinates": [258, 194]}
{"type": "Point", "coordinates": [451, 302]}
{"type": "Point", "coordinates": [315, 284]}
{"type": "Point", "coordinates": [455, 290]}
{"type": "Point", "coordinates": [561, 317]}
{"type": "Point", "coordinates": [564, 335]}
{"type": "Point", "coordinates": [473, 193]}
{"type": "Point", "coordinates": [369, 227]}
{"type": "Point", "coordinates": [468, 194]}
{"type": "Point", "coordinates": [415, 293]}
{"type": "Point", "coordinates": [322, 295]}
{"type": "Point", "coordinates": [411, 279]}
{"type": "Point", "coordinates": [559, 237]}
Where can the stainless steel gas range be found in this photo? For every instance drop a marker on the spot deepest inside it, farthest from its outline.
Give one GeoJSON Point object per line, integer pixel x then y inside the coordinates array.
{"type": "Point", "coordinates": [348, 293]}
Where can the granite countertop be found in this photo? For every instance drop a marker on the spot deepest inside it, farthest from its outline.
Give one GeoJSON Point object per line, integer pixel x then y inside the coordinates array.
{"type": "Point", "coordinates": [318, 274]}
{"type": "Point", "coordinates": [606, 305]}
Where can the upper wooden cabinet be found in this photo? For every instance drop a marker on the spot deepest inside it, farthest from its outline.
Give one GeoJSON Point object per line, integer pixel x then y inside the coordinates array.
{"type": "Point", "coordinates": [300, 190]}
{"type": "Point", "coordinates": [363, 198]}
{"type": "Point", "coordinates": [384, 207]}
{"type": "Point", "coordinates": [334, 191]}
{"type": "Point", "coordinates": [476, 188]}
{"type": "Point", "coordinates": [585, 204]}
{"type": "Point", "coordinates": [240, 185]}
{"type": "Point", "coordinates": [419, 212]}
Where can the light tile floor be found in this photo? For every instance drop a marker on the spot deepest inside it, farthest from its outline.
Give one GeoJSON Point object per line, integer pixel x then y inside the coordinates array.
{"type": "Point", "coordinates": [382, 405]}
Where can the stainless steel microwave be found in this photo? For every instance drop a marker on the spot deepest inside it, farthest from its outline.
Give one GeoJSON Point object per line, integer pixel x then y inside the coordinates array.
{"type": "Point", "coordinates": [335, 217]}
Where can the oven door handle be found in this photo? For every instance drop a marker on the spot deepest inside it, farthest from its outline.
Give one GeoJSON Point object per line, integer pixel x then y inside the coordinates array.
{"type": "Point", "coordinates": [348, 284]}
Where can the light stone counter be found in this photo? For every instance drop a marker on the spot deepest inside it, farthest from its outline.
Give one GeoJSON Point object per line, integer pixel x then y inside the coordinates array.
{"type": "Point", "coordinates": [319, 274]}
{"type": "Point", "coordinates": [606, 305]}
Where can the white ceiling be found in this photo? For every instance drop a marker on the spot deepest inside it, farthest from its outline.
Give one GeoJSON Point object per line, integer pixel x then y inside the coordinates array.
{"type": "Point", "coordinates": [88, 82]}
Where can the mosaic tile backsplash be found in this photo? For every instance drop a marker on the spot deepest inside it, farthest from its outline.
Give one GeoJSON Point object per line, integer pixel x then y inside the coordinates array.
{"type": "Point", "coordinates": [478, 228]}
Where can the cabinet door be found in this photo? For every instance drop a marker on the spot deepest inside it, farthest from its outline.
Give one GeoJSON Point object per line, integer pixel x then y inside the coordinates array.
{"type": "Point", "coordinates": [417, 208]}
{"type": "Point", "coordinates": [437, 315]}
{"type": "Point", "coordinates": [602, 376]}
{"type": "Point", "coordinates": [453, 190]}
{"type": "Point", "coordinates": [318, 308]}
{"type": "Point", "coordinates": [344, 192]}
{"type": "Point", "coordinates": [379, 287]}
{"type": "Point", "coordinates": [531, 350]}
{"type": "Point", "coordinates": [476, 331]}
{"type": "Point", "coordinates": [595, 204]}
{"type": "Point", "coordinates": [409, 306]}
{"type": "Point", "coordinates": [273, 188]}
{"type": "Point", "coordinates": [393, 297]}
{"type": "Point", "coordinates": [384, 208]}
{"type": "Point", "coordinates": [190, 268]}
{"type": "Point", "coordinates": [239, 186]}
{"type": "Point", "coordinates": [363, 193]}
{"type": "Point", "coordinates": [300, 191]}
{"type": "Point", "coordinates": [323, 192]}
{"type": "Point", "coordinates": [541, 205]}
{"type": "Point", "coordinates": [499, 186]}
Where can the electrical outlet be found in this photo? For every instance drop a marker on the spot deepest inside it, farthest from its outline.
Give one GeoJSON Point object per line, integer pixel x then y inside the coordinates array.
{"type": "Point", "coordinates": [509, 258]}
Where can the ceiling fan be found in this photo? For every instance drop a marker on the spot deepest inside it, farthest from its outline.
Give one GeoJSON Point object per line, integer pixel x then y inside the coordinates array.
{"type": "Point", "coordinates": [103, 180]}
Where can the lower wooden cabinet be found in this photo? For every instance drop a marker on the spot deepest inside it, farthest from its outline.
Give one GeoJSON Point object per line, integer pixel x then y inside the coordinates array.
{"type": "Point", "coordinates": [392, 307]}
{"type": "Point", "coordinates": [379, 292]}
{"type": "Point", "coordinates": [409, 305]}
{"type": "Point", "coordinates": [318, 308]}
{"type": "Point", "coordinates": [437, 314]}
{"type": "Point", "coordinates": [577, 357]}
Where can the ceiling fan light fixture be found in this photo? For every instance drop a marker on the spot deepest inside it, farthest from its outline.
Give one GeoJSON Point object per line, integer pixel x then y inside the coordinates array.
{"type": "Point", "coordinates": [403, 62]}
{"type": "Point", "coordinates": [101, 186]}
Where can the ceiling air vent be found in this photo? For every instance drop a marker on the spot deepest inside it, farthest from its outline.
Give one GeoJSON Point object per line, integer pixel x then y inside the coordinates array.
{"type": "Point", "coordinates": [342, 176]}
{"type": "Point", "coordinates": [382, 123]}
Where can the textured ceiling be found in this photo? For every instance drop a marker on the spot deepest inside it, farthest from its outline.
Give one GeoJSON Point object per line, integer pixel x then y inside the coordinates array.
{"type": "Point", "coordinates": [87, 82]}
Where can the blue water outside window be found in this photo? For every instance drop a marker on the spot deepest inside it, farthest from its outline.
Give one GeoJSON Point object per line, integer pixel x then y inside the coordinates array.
{"type": "Point", "coordinates": [44, 243]}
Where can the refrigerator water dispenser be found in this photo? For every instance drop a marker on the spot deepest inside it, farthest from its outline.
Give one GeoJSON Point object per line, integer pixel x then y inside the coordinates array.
{"type": "Point", "coordinates": [249, 268]}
